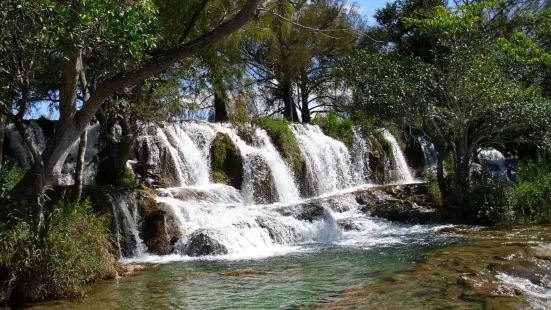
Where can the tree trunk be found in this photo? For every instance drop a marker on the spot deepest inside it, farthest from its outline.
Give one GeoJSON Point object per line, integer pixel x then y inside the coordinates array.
{"type": "Point", "coordinates": [440, 174]}
{"type": "Point", "coordinates": [220, 110]}
{"type": "Point", "coordinates": [304, 94]}
{"type": "Point", "coordinates": [289, 112]}
{"type": "Point", "coordinates": [2, 133]}
{"type": "Point", "coordinates": [80, 166]}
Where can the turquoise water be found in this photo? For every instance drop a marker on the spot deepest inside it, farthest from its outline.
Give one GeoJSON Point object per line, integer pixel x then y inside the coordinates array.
{"type": "Point", "coordinates": [299, 280]}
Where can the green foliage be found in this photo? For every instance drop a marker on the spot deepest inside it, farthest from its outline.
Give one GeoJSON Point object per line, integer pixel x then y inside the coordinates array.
{"type": "Point", "coordinates": [284, 140]}
{"type": "Point", "coordinates": [77, 251]}
{"type": "Point", "coordinates": [524, 201]}
{"type": "Point", "coordinates": [433, 189]}
{"type": "Point", "coordinates": [339, 128]}
{"type": "Point", "coordinates": [10, 174]}
{"type": "Point", "coordinates": [127, 179]}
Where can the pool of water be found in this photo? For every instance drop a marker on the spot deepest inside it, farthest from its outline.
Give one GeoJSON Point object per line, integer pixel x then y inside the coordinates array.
{"type": "Point", "coordinates": [420, 271]}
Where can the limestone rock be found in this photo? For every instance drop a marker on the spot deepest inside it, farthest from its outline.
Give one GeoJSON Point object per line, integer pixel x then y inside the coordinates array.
{"type": "Point", "coordinates": [201, 244]}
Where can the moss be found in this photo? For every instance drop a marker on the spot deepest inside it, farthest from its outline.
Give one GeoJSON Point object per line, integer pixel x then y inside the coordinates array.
{"type": "Point", "coordinates": [433, 189]}
{"type": "Point", "coordinates": [339, 128]}
{"type": "Point", "coordinates": [286, 143]}
{"type": "Point", "coordinates": [226, 161]}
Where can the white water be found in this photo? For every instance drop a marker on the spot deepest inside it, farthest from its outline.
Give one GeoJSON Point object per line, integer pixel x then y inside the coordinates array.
{"type": "Point", "coordinates": [328, 161]}
{"type": "Point", "coordinates": [403, 173]}
{"type": "Point", "coordinates": [244, 224]}
{"type": "Point", "coordinates": [495, 161]}
{"type": "Point", "coordinates": [360, 159]}
{"type": "Point", "coordinates": [431, 156]}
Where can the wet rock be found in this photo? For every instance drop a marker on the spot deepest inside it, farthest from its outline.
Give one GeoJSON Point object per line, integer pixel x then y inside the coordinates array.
{"type": "Point", "coordinates": [201, 244]}
{"type": "Point", "coordinates": [277, 234]}
{"type": "Point", "coordinates": [400, 203]}
{"type": "Point", "coordinates": [226, 161]}
{"type": "Point", "coordinates": [348, 225]}
{"type": "Point", "coordinates": [311, 211]}
{"type": "Point", "coordinates": [263, 191]}
{"type": "Point", "coordinates": [160, 230]}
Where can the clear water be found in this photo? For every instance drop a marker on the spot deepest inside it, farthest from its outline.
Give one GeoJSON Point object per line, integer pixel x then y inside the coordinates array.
{"type": "Point", "coordinates": [316, 274]}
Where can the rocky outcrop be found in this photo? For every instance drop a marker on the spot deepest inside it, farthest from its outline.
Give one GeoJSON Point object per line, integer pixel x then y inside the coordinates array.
{"type": "Point", "coordinates": [201, 244]}
{"type": "Point", "coordinates": [401, 203]}
{"type": "Point", "coordinates": [160, 230]}
{"type": "Point", "coordinates": [226, 161]}
{"type": "Point", "coordinates": [262, 189]}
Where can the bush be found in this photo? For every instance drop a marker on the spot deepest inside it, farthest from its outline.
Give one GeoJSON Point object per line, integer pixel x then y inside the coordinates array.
{"type": "Point", "coordinates": [285, 142]}
{"type": "Point", "coordinates": [127, 179]}
{"type": "Point", "coordinates": [526, 200]}
{"type": "Point", "coordinates": [433, 189]}
{"type": "Point", "coordinates": [339, 128]}
{"type": "Point", "coordinates": [10, 174]}
{"type": "Point", "coordinates": [76, 251]}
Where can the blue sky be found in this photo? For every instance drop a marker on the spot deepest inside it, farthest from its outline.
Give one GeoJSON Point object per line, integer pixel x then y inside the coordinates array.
{"type": "Point", "coordinates": [369, 7]}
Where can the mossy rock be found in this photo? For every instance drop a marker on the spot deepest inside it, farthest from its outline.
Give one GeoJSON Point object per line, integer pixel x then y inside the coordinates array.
{"type": "Point", "coordinates": [285, 142]}
{"type": "Point", "coordinates": [226, 161]}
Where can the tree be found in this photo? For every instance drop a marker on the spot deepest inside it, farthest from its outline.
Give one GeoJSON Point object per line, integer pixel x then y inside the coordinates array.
{"type": "Point", "coordinates": [96, 27]}
{"type": "Point", "coordinates": [300, 48]}
{"type": "Point", "coordinates": [464, 92]}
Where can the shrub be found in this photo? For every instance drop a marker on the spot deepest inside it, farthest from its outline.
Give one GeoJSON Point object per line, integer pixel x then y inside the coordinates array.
{"type": "Point", "coordinates": [127, 179]}
{"type": "Point", "coordinates": [76, 251]}
{"type": "Point", "coordinates": [285, 142]}
{"type": "Point", "coordinates": [339, 128]}
{"type": "Point", "coordinates": [433, 189]}
{"type": "Point", "coordinates": [10, 174]}
{"type": "Point", "coordinates": [525, 200]}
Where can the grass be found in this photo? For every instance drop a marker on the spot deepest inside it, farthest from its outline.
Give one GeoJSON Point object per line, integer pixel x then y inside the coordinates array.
{"type": "Point", "coordinates": [339, 128]}
{"type": "Point", "coordinates": [76, 251]}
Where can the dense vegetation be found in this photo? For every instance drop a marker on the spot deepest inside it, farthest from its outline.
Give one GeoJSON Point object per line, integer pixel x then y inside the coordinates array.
{"type": "Point", "coordinates": [471, 75]}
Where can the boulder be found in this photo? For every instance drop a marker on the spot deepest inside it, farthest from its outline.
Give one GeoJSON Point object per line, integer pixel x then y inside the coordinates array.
{"type": "Point", "coordinates": [226, 161]}
{"type": "Point", "coordinates": [310, 211]}
{"type": "Point", "coordinates": [263, 189]}
{"type": "Point", "coordinates": [160, 230]}
{"type": "Point", "coordinates": [400, 203]}
{"type": "Point", "coordinates": [201, 244]}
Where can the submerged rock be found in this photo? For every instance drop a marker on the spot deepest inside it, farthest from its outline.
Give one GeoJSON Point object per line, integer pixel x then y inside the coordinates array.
{"type": "Point", "coordinates": [201, 244]}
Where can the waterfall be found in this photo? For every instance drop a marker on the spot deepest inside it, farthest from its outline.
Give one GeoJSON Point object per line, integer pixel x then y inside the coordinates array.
{"type": "Point", "coordinates": [495, 161]}
{"type": "Point", "coordinates": [403, 173]}
{"type": "Point", "coordinates": [360, 159]}
{"type": "Point", "coordinates": [93, 145]}
{"type": "Point", "coordinates": [125, 203]}
{"type": "Point", "coordinates": [18, 148]}
{"type": "Point", "coordinates": [263, 148]}
{"type": "Point", "coordinates": [328, 161]}
{"type": "Point", "coordinates": [431, 156]}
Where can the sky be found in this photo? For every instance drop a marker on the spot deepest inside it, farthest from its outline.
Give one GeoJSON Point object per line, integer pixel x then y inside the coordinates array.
{"type": "Point", "coordinates": [369, 7]}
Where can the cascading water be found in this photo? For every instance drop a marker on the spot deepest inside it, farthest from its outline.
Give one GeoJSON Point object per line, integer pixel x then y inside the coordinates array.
{"type": "Point", "coordinates": [431, 156]}
{"type": "Point", "coordinates": [328, 161]}
{"type": "Point", "coordinates": [403, 173]}
{"type": "Point", "coordinates": [268, 215]}
{"type": "Point", "coordinates": [263, 148]}
{"type": "Point", "coordinates": [360, 159]}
